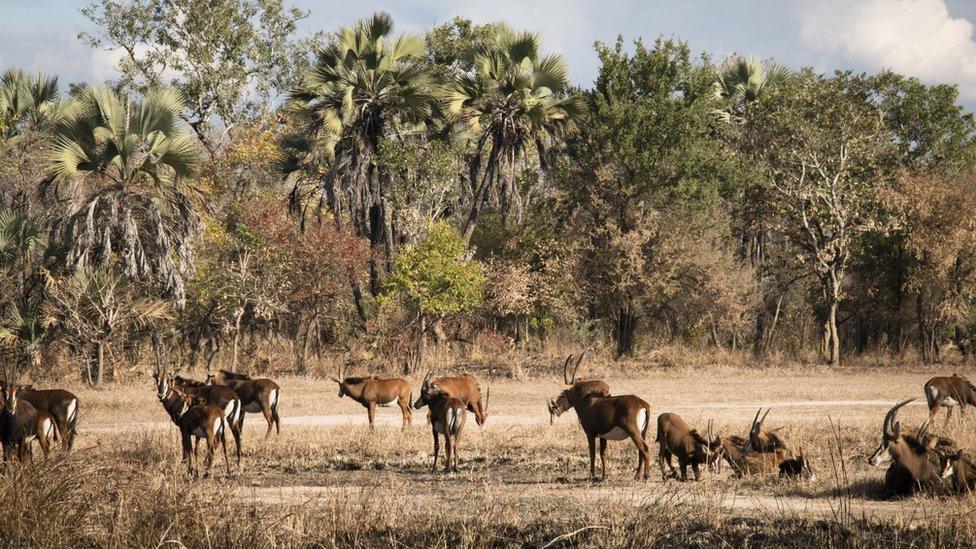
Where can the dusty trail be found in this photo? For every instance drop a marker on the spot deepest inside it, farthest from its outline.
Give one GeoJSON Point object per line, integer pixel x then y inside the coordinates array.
{"type": "Point", "coordinates": [394, 419]}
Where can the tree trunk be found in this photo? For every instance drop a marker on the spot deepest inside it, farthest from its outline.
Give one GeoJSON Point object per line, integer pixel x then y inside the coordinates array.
{"type": "Point", "coordinates": [626, 326]}
{"type": "Point", "coordinates": [238, 314]}
{"type": "Point", "coordinates": [99, 363]}
{"type": "Point", "coordinates": [834, 342]}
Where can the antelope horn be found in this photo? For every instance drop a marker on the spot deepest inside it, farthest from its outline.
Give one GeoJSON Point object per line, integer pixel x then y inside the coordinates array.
{"type": "Point", "coordinates": [576, 368]}
{"type": "Point", "coordinates": [711, 431]}
{"type": "Point", "coordinates": [889, 419]}
{"type": "Point", "coordinates": [755, 420]}
{"type": "Point", "coordinates": [566, 370]}
{"type": "Point", "coordinates": [763, 420]}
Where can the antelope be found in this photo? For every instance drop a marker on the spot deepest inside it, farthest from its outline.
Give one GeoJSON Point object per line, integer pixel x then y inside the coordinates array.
{"type": "Point", "coordinates": [761, 455]}
{"type": "Point", "coordinates": [220, 396]}
{"type": "Point", "coordinates": [61, 404]}
{"type": "Point", "coordinates": [726, 448]}
{"type": "Point", "coordinates": [948, 392]}
{"type": "Point", "coordinates": [372, 391]}
{"type": "Point", "coordinates": [257, 395]}
{"type": "Point", "coordinates": [610, 418]}
{"type": "Point", "coordinates": [447, 417]}
{"type": "Point", "coordinates": [798, 467]}
{"type": "Point", "coordinates": [676, 439]}
{"type": "Point", "coordinates": [963, 472]}
{"type": "Point", "coordinates": [196, 420]}
{"type": "Point", "coordinates": [596, 387]}
{"type": "Point", "coordinates": [21, 424]}
{"type": "Point", "coordinates": [464, 388]}
{"type": "Point", "coordinates": [944, 447]}
{"type": "Point", "coordinates": [914, 463]}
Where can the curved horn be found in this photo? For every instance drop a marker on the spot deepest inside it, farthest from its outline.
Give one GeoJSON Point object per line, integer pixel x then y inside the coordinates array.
{"type": "Point", "coordinates": [755, 420]}
{"type": "Point", "coordinates": [763, 420]}
{"type": "Point", "coordinates": [566, 370]}
{"type": "Point", "coordinates": [889, 419]}
{"type": "Point", "coordinates": [576, 368]}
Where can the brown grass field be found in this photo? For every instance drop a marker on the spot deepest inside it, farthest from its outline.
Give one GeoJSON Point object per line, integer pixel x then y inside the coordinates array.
{"type": "Point", "coordinates": [328, 481]}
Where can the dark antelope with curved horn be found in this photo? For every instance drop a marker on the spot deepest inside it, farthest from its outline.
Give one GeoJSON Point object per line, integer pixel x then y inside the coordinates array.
{"type": "Point", "coordinates": [914, 463]}
{"type": "Point", "coordinates": [257, 395]}
{"type": "Point", "coordinates": [949, 392]}
{"type": "Point", "coordinates": [21, 424]}
{"type": "Point", "coordinates": [677, 439]}
{"type": "Point", "coordinates": [447, 417]}
{"type": "Point", "coordinates": [595, 387]}
{"type": "Point", "coordinates": [464, 388]}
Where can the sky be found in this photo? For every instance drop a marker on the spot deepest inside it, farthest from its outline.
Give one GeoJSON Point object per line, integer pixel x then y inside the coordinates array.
{"type": "Point", "coordinates": [930, 39]}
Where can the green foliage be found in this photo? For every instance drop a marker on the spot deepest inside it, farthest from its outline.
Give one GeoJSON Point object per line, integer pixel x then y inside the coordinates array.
{"type": "Point", "coordinates": [229, 58]}
{"type": "Point", "coordinates": [437, 277]}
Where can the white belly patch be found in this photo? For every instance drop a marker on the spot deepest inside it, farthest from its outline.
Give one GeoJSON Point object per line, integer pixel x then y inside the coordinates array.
{"type": "Point", "coordinates": [949, 401]}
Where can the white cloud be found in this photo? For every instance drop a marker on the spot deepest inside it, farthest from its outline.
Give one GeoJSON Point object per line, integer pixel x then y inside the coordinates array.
{"type": "Point", "coordinates": [104, 63]}
{"type": "Point", "coordinates": [914, 37]}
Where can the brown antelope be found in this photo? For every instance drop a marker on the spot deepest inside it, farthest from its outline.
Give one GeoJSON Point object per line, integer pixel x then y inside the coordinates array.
{"type": "Point", "coordinates": [676, 439]}
{"type": "Point", "coordinates": [948, 392]}
{"type": "Point", "coordinates": [963, 472]}
{"type": "Point", "coordinates": [61, 404]}
{"type": "Point", "coordinates": [372, 391]}
{"type": "Point", "coordinates": [196, 420]}
{"type": "Point", "coordinates": [257, 395]}
{"type": "Point", "coordinates": [610, 418]}
{"type": "Point", "coordinates": [21, 424]}
{"type": "Point", "coordinates": [762, 454]}
{"type": "Point", "coordinates": [447, 417]}
{"type": "Point", "coordinates": [215, 395]}
{"type": "Point", "coordinates": [464, 388]}
{"type": "Point", "coordinates": [798, 467]}
{"type": "Point", "coordinates": [944, 447]}
{"type": "Point", "coordinates": [914, 462]}
{"type": "Point", "coordinates": [596, 387]}
{"type": "Point", "coordinates": [726, 448]}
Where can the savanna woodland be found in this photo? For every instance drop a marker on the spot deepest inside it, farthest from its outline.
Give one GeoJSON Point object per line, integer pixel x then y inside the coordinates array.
{"type": "Point", "coordinates": [248, 197]}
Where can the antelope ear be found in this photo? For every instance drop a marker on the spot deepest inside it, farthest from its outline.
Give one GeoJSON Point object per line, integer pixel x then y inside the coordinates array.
{"type": "Point", "coordinates": [932, 442]}
{"type": "Point", "coordinates": [897, 428]}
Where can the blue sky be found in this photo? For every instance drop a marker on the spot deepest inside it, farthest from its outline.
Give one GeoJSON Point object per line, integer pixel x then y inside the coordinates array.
{"type": "Point", "coordinates": [931, 39]}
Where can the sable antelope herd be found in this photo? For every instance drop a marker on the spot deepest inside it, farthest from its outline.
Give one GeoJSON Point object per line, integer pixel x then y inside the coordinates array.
{"type": "Point", "coordinates": [917, 459]}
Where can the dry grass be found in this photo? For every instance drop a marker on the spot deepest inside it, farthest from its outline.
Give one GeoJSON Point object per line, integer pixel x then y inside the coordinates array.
{"type": "Point", "coordinates": [327, 480]}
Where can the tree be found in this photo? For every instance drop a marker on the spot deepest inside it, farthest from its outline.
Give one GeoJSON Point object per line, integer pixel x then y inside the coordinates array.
{"type": "Point", "coordinates": [743, 81]}
{"type": "Point", "coordinates": [643, 166]}
{"type": "Point", "coordinates": [514, 98]}
{"type": "Point", "coordinates": [120, 169]}
{"type": "Point", "coordinates": [823, 146]}
{"type": "Point", "coordinates": [436, 278]}
{"type": "Point", "coordinates": [29, 103]}
{"type": "Point", "coordinates": [26, 100]}
{"type": "Point", "coordinates": [365, 85]}
{"type": "Point", "coordinates": [95, 310]}
{"type": "Point", "coordinates": [229, 58]}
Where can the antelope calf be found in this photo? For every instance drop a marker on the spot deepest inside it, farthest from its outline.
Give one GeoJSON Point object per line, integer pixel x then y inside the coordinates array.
{"type": "Point", "coordinates": [21, 424]}
{"type": "Point", "coordinates": [61, 404]}
{"type": "Point", "coordinates": [196, 420]}
{"type": "Point", "coordinates": [372, 391]}
{"type": "Point", "coordinates": [609, 418]}
{"type": "Point", "coordinates": [676, 439]}
{"type": "Point", "coordinates": [949, 392]}
{"type": "Point", "coordinates": [220, 396]}
{"type": "Point", "coordinates": [914, 462]}
{"type": "Point", "coordinates": [464, 388]}
{"type": "Point", "coordinates": [596, 387]}
{"type": "Point", "coordinates": [447, 417]}
{"type": "Point", "coordinates": [257, 395]}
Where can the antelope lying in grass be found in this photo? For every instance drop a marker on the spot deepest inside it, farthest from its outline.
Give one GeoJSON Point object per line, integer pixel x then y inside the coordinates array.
{"type": "Point", "coordinates": [609, 418]}
{"type": "Point", "coordinates": [798, 467]}
{"type": "Point", "coordinates": [257, 395]}
{"type": "Point", "coordinates": [949, 392]}
{"type": "Point", "coordinates": [220, 396]}
{"type": "Point", "coordinates": [676, 439]}
{"type": "Point", "coordinates": [762, 454]}
{"type": "Point", "coordinates": [915, 464]}
{"type": "Point", "coordinates": [464, 388]}
{"type": "Point", "coordinates": [963, 471]}
{"type": "Point", "coordinates": [196, 420]}
{"type": "Point", "coordinates": [596, 387]}
{"type": "Point", "coordinates": [21, 424]}
{"type": "Point", "coordinates": [372, 391]}
{"type": "Point", "coordinates": [447, 417]}
{"type": "Point", "coordinates": [61, 404]}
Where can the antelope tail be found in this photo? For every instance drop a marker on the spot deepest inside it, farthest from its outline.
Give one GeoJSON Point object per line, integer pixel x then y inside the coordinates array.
{"type": "Point", "coordinates": [931, 393]}
{"type": "Point", "coordinates": [647, 423]}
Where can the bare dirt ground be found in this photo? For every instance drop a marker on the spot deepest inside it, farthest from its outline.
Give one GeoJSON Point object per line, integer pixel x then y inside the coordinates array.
{"type": "Point", "coordinates": [517, 459]}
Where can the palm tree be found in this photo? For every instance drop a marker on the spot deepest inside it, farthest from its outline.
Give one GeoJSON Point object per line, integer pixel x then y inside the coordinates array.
{"type": "Point", "coordinates": [514, 98]}
{"type": "Point", "coordinates": [742, 81]}
{"type": "Point", "coordinates": [364, 86]}
{"type": "Point", "coordinates": [121, 167]}
{"type": "Point", "coordinates": [26, 98]}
